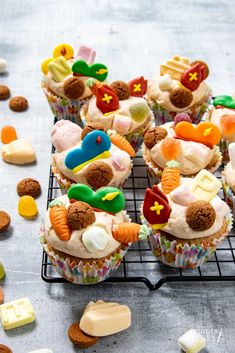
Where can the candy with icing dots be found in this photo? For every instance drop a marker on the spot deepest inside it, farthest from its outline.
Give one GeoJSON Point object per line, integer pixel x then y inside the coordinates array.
{"type": "Point", "coordinates": [192, 77]}
{"type": "Point", "coordinates": [2, 271]}
{"type": "Point", "coordinates": [27, 207]}
{"type": "Point", "coordinates": [166, 83]}
{"type": "Point", "coordinates": [87, 54]}
{"type": "Point", "coordinates": [224, 101]}
{"type": "Point", "coordinates": [156, 208]}
{"type": "Point", "coordinates": [122, 124]}
{"type": "Point", "coordinates": [138, 87]}
{"type": "Point", "coordinates": [108, 199]}
{"type": "Point", "coordinates": [95, 238]}
{"type": "Point", "coordinates": [8, 134]}
{"type": "Point", "coordinates": [64, 50]}
{"type": "Point", "coordinates": [182, 195]}
{"type": "Point", "coordinates": [95, 145]}
{"type": "Point", "coordinates": [231, 152]}
{"type": "Point", "coordinates": [97, 71]}
{"type": "Point", "coordinates": [192, 342]}
{"type": "Point", "coordinates": [44, 65]}
{"type": "Point", "coordinates": [17, 313]}
{"type": "Point", "coordinates": [59, 69]}
{"type": "Point", "coordinates": [205, 133]}
{"type": "Point", "coordinates": [205, 186]}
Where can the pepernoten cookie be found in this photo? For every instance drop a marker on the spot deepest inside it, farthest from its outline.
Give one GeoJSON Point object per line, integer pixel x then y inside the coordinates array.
{"type": "Point", "coordinates": [79, 338]}
{"type": "Point", "coordinates": [4, 92]}
{"type": "Point", "coordinates": [5, 221]}
{"type": "Point", "coordinates": [5, 349]}
{"type": "Point", "coordinates": [18, 104]}
{"type": "Point", "coordinates": [99, 174]}
{"type": "Point", "coordinates": [29, 187]}
{"type": "Point", "coordinates": [80, 215]}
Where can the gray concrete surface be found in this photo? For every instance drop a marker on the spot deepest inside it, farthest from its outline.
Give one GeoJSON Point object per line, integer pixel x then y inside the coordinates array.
{"type": "Point", "coordinates": [132, 38]}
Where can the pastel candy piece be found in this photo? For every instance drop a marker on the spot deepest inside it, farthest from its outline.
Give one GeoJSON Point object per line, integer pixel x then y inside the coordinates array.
{"type": "Point", "coordinates": [192, 342]}
{"type": "Point", "coordinates": [182, 195]}
{"type": "Point", "coordinates": [225, 101]}
{"type": "Point", "coordinates": [95, 238]}
{"type": "Point", "coordinates": [59, 69]}
{"type": "Point", "coordinates": [94, 146]}
{"type": "Point", "coordinates": [107, 198]}
{"type": "Point", "coordinates": [205, 132]}
{"type": "Point", "coordinates": [138, 86]}
{"type": "Point", "coordinates": [45, 350]}
{"type": "Point", "coordinates": [2, 271]}
{"type": "Point", "coordinates": [139, 111]}
{"type": "Point", "coordinates": [65, 135]}
{"type": "Point", "coordinates": [103, 319]}
{"type": "Point", "coordinates": [166, 83]}
{"type": "Point", "coordinates": [98, 71]}
{"type": "Point", "coordinates": [231, 152]}
{"type": "Point", "coordinates": [44, 65]}
{"type": "Point", "coordinates": [16, 313]}
{"type": "Point", "coordinates": [120, 160]}
{"type": "Point", "coordinates": [64, 50]}
{"type": "Point", "coordinates": [18, 152]}
{"type": "Point", "coordinates": [205, 186]}
{"type": "Point", "coordinates": [192, 77]}
{"type": "Point", "coordinates": [8, 134]}
{"type": "Point", "coordinates": [121, 124]}
{"type": "Point", "coordinates": [27, 207]}
{"type": "Point", "coordinates": [87, 54]}
{"type": "Point", "coordinates": [3, 65]}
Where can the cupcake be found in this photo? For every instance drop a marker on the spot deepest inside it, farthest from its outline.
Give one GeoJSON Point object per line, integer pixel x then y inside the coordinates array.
{"type": "Point", "coordinates": [187, 218]}
{"type": "Point", "coordinates": [197, 148]}
{"type": "Point", "coordinates": [64, 78]}
{"type": "Point", "coordinates": [121, 108]}
{"type": "Point", "coordinates": [179, 87]}
{"type": "Point", "coordinates": [228, 178]}
{"type": "Point", "coordinates": [222, 113]}
{"type": "Point", "coordinates": [89, 156]}
{"type": "Point", "coordinates": [87, 233]}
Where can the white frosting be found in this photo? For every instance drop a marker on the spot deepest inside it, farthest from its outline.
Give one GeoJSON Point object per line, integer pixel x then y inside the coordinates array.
{"type": "Point", "coordinates": [75, 246]}
{"type": "Point", "coordinates": [215, 118]}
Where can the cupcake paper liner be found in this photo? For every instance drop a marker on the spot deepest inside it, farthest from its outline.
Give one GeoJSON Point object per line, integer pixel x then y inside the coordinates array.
{"type": "Point", "coordinates": [184, 256]}
{"type": "Point", "coordinates": [228, 195]}
{"type": "Point", "coordinates": [62, 108]}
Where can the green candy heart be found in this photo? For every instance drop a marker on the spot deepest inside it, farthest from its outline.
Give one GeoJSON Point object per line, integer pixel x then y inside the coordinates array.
{"type": "Point", "coordinates": [108, 199]}
{"type": "Point", "coordinates": [139, 111]}
{"type": "Point", "coordinates": [98, 71]}
{"type": "Point", "coordinates": [225, 101]}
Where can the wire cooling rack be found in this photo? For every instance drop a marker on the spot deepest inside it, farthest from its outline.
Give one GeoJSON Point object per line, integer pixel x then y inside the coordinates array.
{"type": "Point", "coordinates": [139, 265]}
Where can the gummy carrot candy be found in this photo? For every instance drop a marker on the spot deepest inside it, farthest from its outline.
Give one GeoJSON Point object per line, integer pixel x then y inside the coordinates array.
{"type": "Point", "coordinates": [170, 148]}
{"type": "Point", "coordinates": [123, 144]}
{"type": "Point", "coordinates": [126, 232]}
{"type": "Point", "coordinates": [170, 179]}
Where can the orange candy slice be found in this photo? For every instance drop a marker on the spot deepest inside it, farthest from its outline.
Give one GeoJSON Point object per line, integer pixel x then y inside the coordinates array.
{"type": "Point", "coordinates": [8, 134]}
{"type": "Point", "coordinates": [170, 148]}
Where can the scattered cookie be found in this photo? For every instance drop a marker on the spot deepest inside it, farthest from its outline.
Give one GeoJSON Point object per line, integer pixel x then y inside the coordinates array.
{"type": "Point", "coordinates": [2, 271]}
{"type": "Point", "coordinates": [73, 87]}
{"type": "Point", "coordinates": [121, 89]}
{"type": "Point", "coordinates": [80, 215]}
{"type": "Point", "coordinates": [5, 221]}
{"type": "Point", "coordinates": [99, 174]}
{"type": "Point", "coordinates": [27, 207]}
{"type": "Point", "coordinates": [29, 187]}
{"type": "Point", "coordinates": [79, 338]}
{"type": "Point", "coordinates": [5, 349]}
{"type": "Point", "coordinates": [91, 127]}
{"type": "Point", "coordinates": [180, 97]}
{"type": "Point", "coordinates": [8, 134]}
{"type": "Point", "coordinates": [200, 215]}
{"type": "Point", "coordinates": [3, 66]}
{"type": "Point", "coordinates": [18, 104]}
{"type": "Point", "coordinates": [1, 298]}
{"type": "Point", "coordinates": [4, 92]}
{"type": "Point", "coordinates": [153, 136]}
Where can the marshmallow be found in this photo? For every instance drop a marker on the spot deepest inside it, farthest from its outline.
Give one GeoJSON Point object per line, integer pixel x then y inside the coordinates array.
{"type": "Point", "coordinates": [45, 350]}
{"type": "Point", "coordinates": [122, 124]}
{"type": "Point", "coordinates": [182, 195]}
{"type": "Point", "coordinates": [65, 135]}
{"type": "Point", "coordinates": [102, 319]}
{"type": "Point", "coordinates": [16, 313]}
{"type": "Point", "coordinates": [166, 83]}
{"type": "Point", "coordinates": [192, 342]}
{"type": "Point", "coordinates": [120, 160]}
{"type": "Point", "coordinates": [231, 152]}
{"type": "Point", "coordinates": [87, 54]}
{"type": "Point", "coordinates": [3, 65]}
{"type": "Point", "coordinates": [205, 186]}
{"type": "Point", "coordinates": [95, 238]}
{"type": "Point", "coordinates": [18, 152]}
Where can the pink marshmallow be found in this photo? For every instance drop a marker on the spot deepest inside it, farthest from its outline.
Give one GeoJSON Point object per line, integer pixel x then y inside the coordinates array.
{"type": "Point", "coordinates": [122, 124]}
{"type": "Point", "coordinates": [120, 160]}
{"type": "Point", "coordinates": [65, 135]}
{"type": "Point", "coordinates": [87, 54]}
{"type": "Point", "coordinates": [182, 195]}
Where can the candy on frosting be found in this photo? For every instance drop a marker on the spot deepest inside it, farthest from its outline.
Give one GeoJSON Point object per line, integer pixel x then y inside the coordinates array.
{"type": "Point", "coordinates": [106, 99]}
{"type": "Point", "coordinates": [95, 145]}
{"type": "Point", "coordinates": [224, 101]}
{"type": "Point", "coordinates": [175, 67]}
{"type": "Point", "coordinates": [138, 86]}
{"type": "Point", "coordinates": [18, 152]}
{"type": "Point", "coordinates": [193, 76]}
{"type": "Point", "coordinates": [86, 53]}
{"type": "Point", "coordinates": [231, 152]}
{"type": "Point", "coordinates": [120, 160]}
{"type": "Point", "coordinates": [95, 238]}
{"type": "Point", "coordinates": [64, 50]}
{"type": "Point", "coordinates": [182, 195]}
{"type": "Point", "coordinates": [59, 220]}
{"type": "Point", "coordinates": [205, 186]}
{"type": "Point", "coordinates": [65, 135]}
{"type": "Point", "coordinates": [59, 68]}
{"type": "Point", "coordinates": [139, 111]}
{"type": "Point", "coordinates": [107, 198]}
{"type": "Point", "coordinates": [122, 123]}
{"type": "Point", "coordinates": [129, 232]}
{"type": "Point", "coordinates": [97, 71]}
{"type": "Point", "coordinates": [166, 83]}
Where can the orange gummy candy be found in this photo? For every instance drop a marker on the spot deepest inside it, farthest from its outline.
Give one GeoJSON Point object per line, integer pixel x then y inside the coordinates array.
{"type": "Point", "coordinates": [8, 134]}
{"type": "Point", "coordinates": [227, 123]}
{"type": "Point", "coordinates": [170, 148]}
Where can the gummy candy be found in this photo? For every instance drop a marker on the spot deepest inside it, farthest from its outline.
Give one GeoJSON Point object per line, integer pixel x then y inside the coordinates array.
{"type": "Point", "coordinates": [8, 134]}
{"type": "Point", "coordinates": [170, 148]}
{"type": "Point", "coordinates": [27, 207]}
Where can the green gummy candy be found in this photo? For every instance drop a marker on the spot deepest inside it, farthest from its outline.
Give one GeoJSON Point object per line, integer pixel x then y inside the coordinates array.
{"type": "Point", "coordinates": [225, 101]}
{"type": "Point", "coordinates": [98, 71]}
{"type": "Point", "coordinates": [139, 111]}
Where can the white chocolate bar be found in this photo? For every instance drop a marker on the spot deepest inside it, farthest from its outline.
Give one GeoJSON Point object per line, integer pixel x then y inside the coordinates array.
{"type": "Point", "coordinates": [205, 186]}
{"type": "Point", "coordinates": [18, 152]}
{"type": "Point", "coordinates": [192, 342]}
{"type": "Point", "coordinates": [16, 313]}
{"type": "Point", "coordinates": [102, 319]}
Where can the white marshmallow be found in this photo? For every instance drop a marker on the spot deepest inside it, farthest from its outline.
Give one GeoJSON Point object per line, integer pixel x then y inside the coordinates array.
{"type": "Point", "coordinates": [3, 65]}
{"type": "Point", "coordinates": [165, 83]}
{"type": "Point", "coordinates": [192, 342]}
{"type": "Point", "coordinates": [182, 195]}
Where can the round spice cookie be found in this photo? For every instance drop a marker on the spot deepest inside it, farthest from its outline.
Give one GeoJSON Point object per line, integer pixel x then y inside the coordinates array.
{"type": "Point", "coordinates": [29, 187]}
{"type": "Point", "coordinates": [80, 215]}
{"type": "Point", "coordinates": [99, 174]}
{"type": "Point", "coordinates": [4, 92]}
{"type": "Point", "coordinates": [181, 97]}
{"type": "Point", "coordinates": [200, 215]}
{"type": "Point", "coordinates": [121, 89]}
{"type": "Point", "coordinates": [73, 87]}
{"type": "Point", "coordinates": [5, 349]}
{"type": "Point", "coordinates": [154, 135]}
{"type": "Point", "coordinates": [5, 221]}
{"type": "Point", "coordinates": [18, 104]}
{"type": "Point", "coordinates": [91, 127]}
{"type": "Point", "coordinates": [80, 338]}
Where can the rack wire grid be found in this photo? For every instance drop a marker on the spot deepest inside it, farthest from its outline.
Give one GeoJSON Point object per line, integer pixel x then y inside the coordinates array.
{"type": "Point", "coordinates": [140, 265]}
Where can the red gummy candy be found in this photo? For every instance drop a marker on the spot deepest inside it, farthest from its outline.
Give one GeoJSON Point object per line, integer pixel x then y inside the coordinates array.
{"type": "Point", "coordinates": [106, 99]}
{"type": "Point", "coordinates": [151, 197]}
{"type": "Point", "coordinates": [138, 87]}
{"type": "Point", "coordinates": [192, 77]}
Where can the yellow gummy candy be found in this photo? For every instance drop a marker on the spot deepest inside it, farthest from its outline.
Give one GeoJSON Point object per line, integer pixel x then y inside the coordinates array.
{"type": "Point", "coordinates": [59, 68]}
{"type": "Point", "coordinates": [63, 49]}
{"type": "Point", "coordinates": [27, 207]}
{"type": "Point", "coordinates": [44, 65]}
